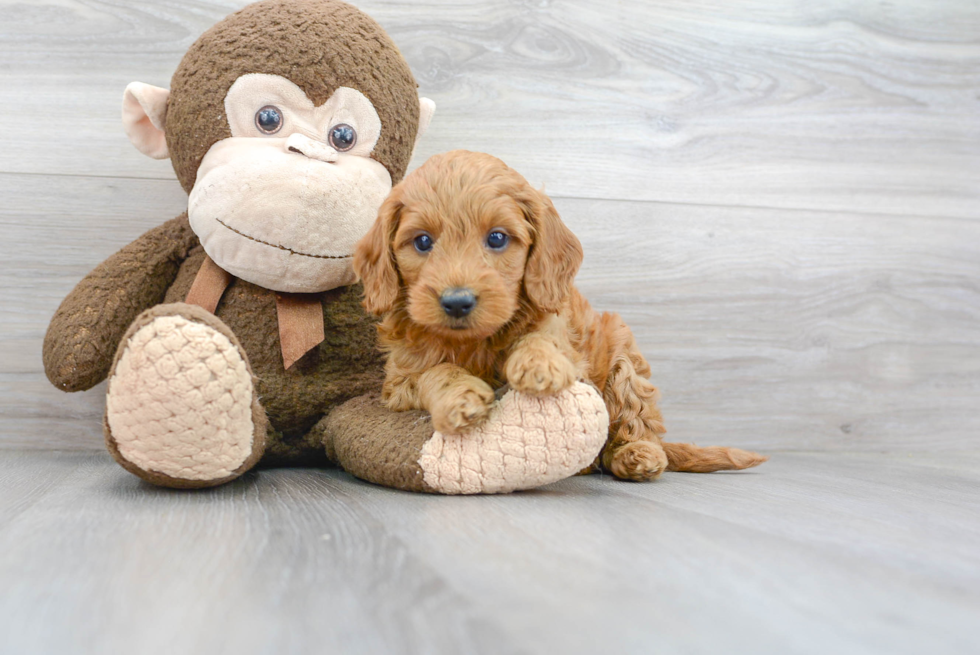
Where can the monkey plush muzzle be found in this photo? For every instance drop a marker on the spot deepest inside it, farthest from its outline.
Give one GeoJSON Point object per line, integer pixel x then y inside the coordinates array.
{"type": "Point", "coordinates": [284, 220]}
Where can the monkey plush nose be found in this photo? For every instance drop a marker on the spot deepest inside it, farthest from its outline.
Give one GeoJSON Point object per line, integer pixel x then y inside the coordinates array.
{"type": "Point", "coordinates": [457, 302]}
{"type": "Point", "coordinates": [304, 145]}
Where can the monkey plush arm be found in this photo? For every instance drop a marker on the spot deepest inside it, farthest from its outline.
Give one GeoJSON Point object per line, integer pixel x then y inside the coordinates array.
{"type": "Point", "coordinates": [86, 329]}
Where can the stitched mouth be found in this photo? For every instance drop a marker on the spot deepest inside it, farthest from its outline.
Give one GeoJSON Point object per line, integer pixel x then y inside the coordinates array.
{"type": "Point", "coordinates": [276, 245]}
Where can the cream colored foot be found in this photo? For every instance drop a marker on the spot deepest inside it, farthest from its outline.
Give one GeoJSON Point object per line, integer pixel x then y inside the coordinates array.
{"type": "Point", "coordinates": [181, 408]}
{"type": "Point", "coordinates": [527, 441]}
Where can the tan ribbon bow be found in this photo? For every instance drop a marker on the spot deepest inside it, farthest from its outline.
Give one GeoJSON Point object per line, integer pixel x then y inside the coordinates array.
{"type": "Point", "coordinates": [300, 315]}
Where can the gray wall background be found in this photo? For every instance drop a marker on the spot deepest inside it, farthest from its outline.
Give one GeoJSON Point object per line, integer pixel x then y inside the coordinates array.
{"type": "Point", "coordinates": [781, 198]}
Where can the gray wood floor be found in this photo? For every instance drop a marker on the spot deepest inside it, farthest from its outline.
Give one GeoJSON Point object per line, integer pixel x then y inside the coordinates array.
{"type": "Point", "coordinates": [781, 198]}
{"type": "Point", "coordinates": [816, 553]}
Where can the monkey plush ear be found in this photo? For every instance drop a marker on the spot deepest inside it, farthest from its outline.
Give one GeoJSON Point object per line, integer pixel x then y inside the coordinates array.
{"type": "Point", "coordinates": [426, 110]}
{"type": "Point", "coordinates": [144, 114]}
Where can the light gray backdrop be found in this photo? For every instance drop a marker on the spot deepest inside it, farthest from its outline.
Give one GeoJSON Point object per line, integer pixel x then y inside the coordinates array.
{"type": "Point", "coordinates": [782, 201]}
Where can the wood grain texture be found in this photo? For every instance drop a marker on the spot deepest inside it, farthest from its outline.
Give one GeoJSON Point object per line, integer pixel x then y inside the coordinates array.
{"type": "Point", "coordinates": [780, 198]}
{"type": "Point", "coordinates": [842, 105]}
{"type": "Point", "coordinates": [814, 553]}
{"type": "Point", "coordinates": [55, 230]}
{"type": "Point", "coordinates": [789, 329]}
{"type": "Point", "coordinates": [795, 329]}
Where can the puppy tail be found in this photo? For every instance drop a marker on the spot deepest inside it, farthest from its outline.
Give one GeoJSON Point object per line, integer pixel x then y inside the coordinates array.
{"type": "Point", "coordinates": [693, 459]}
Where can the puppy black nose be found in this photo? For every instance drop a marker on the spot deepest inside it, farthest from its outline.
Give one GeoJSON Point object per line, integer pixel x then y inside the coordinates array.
{"type": "Point", "coordinates": [457, 302]}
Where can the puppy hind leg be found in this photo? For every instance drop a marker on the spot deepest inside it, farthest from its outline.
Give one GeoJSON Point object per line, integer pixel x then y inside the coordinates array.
{"type": "Point", "coordinates": [633, 450]}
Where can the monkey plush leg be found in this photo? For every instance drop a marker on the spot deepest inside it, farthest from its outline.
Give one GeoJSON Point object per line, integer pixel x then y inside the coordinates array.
{"type": "Point", "coordinates": [181, 407]}
{"type": "Point", "coordinates": [525, 442]}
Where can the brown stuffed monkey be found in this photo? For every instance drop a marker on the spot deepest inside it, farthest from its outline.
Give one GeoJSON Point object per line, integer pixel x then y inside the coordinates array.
{"type": "Point", "coordinates": [234, 333]}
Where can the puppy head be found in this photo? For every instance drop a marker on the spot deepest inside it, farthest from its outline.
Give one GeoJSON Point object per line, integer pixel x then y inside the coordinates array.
{"type": "Point", "coordinates": [463, 242]}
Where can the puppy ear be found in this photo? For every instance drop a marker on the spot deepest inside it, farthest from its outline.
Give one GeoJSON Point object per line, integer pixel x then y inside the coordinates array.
{"type": "Point", "coordinates": [374, 259]}
{"type": "Point", "coordinates": [555, 256]}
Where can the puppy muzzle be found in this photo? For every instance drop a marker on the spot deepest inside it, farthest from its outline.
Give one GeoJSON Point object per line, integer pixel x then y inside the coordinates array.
{"type": "Point", "coordinates": [457, 302]}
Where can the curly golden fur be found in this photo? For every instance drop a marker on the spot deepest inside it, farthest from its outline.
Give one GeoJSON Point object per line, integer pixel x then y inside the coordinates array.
{"type": "Point", "coordinates": [521, 320]}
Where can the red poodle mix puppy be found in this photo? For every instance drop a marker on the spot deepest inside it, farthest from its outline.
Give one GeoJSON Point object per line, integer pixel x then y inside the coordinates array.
{"type": "Point", "coordinates": [472, 269]}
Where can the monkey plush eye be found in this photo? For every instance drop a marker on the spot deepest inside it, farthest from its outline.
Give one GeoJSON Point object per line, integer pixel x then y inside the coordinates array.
{"type": "Point", "coordinates": [268, 119]}
{"type": "Point", "coordinates": [423, 243]}
{"type": "Point", "coordinates": [497, 240]}
{"type": "Point", "coordinates": [342, 137]}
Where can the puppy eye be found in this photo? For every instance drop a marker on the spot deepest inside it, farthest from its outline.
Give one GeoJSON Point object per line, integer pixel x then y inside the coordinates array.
{"type": "Point", "coordinates": [268, 119]}
{"type": "Point", "coordinates": [497, 240]}
{"type": "Point", "coordinates": [423, 243]}
{"type": "Point", "coordinates": [342, 137]}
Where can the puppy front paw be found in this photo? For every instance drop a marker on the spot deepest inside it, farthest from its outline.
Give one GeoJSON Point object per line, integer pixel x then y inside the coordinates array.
{"type": "Point", "coordinates": [463, 405]}
{"type": "Point", "coordinates": [540, 371]}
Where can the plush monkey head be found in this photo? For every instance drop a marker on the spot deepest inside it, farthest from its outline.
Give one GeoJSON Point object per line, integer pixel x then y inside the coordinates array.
{"type": "Point", "coordinates": [287, 123]}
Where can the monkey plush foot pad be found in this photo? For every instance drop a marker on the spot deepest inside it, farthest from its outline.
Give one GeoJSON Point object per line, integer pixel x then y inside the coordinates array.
{"type": "Point", "coordinates": [526, 442]}
{"type": "Point", "coordinates": [180, 404]}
